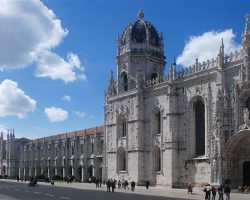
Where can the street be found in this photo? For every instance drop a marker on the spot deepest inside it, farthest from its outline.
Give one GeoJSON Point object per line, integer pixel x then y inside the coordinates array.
{"type": "Point", "coordinates": [21, 191]}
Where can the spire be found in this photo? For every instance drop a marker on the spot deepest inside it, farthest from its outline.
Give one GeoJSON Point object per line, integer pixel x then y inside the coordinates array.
{"type": "Point", "coordinates": [111, 88]}
{"type": "Point", "coordinates": [247, 24]}
{"type": "Point", "coordinates": [246, 34]}
{"type": "Point", "coordinates": [140, 15]}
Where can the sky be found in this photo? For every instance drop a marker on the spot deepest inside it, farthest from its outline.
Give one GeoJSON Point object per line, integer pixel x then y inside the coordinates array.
{"type": "Point", "coordinates": [56, 55]}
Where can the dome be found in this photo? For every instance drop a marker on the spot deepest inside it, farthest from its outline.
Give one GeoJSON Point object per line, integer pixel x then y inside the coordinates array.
{"type": "Point", "coordinates": [140, 31]}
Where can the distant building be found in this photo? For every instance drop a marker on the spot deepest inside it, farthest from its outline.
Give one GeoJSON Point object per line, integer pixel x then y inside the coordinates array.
{"type": "Point", "coordinates": [77, 154]}
{"type": "Point", "coordinates": [186, 127]}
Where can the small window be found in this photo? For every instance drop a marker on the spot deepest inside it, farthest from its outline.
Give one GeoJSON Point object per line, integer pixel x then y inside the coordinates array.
{"type": "Point", "coordinates": [92, 148]}
{"type": "Point", "coordinates": [153, 76]}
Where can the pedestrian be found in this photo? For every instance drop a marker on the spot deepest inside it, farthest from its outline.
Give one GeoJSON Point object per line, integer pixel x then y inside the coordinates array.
{"type": "Point", "coordinates": [100, 182]}
{"type": "Point", "coordinates": [147, 184]}
{"type": "Point", "coordinates": [96, 183]}
{"type": "Point", "coordinates": [119, 184]}
{"type": "Point", "coordinates": [108, 185]}
{"type": "Point", "coordinates": [132, 186]}
{"type": "Point", "coordinates": [126, 185]}
{"type": "Point", "coordinates": [190, 189]}
{"type": "Point", "coordinates": [213, 192]}
{"type": "Point", "coordinates": [227, 192]}
{"type": "Point", "coordinates": [113, 185]}
{"type": "Point", "coordinates": [207, 191]}
{"type": "Point", "coordinates": [220, 191]}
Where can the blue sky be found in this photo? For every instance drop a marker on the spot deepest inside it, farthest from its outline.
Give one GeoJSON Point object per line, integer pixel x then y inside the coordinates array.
{"type": "Point", "coordinates": [56, 55]}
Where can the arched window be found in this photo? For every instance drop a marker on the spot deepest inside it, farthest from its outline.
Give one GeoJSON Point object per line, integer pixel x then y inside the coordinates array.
{"type": "Point", "coordinates": [248, 105]}
{"type": "Point", "coordinates": [121, 126]}
{"type": "Point", "coordinates": [153, 76]}
{"type": "Point", "coordinates": [157, 159]}
{"type": "Point", "coordinates": [121, 159]}
{"type": "Point", "coordinates": [156, 121]}
{"type": "Point", "coordinates": [199, 111]}
{"type": "Point", "coordinates": [124, 128]}
{"type": "Point", "coordinates": [92, 148]}
{"type": "Point", "coordinates": [125, 81]}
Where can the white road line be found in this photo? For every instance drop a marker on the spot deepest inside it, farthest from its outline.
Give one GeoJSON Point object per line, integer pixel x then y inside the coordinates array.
{"type": "Point", "coordinates": [65, 198]}
{"type": "Point", "coordinates": [36, 192]}
{"type": "Point", "coordinates": [51, 195]}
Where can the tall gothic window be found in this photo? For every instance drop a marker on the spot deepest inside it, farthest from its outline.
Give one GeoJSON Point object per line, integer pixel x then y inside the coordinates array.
{"type": "Point", "coordinates": [157, 159]}
{"type": "Point", "coordinates": [121, 126]}
{"type": "Point", "coordinates": [92, 148]}
{"type": "Point", "coordinates": [125, 81]}
{"type": "Point", "coordinates": [199, 110]}
{"type": "Point", "coordinates": [124, 128]}
{"type": "Point", "coordinates": [248, 105]}
{"type": "Point", "coordinates": [72, 150]}
{"type": "Point", "coordinates": [121, 159]}
{"type": "Point", "coordinates": [156, 121]}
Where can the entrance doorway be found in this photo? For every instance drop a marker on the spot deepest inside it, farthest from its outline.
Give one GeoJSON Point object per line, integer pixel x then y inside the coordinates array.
{"type": "Point", "coordinates": [246, 173]}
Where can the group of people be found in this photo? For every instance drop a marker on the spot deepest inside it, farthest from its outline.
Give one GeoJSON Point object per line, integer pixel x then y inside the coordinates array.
{"type": "Point", "coordinates": [244, 189]}
{"type": "Point", "coordinates": [221, 191]}
{"type": "Point", "coordinates": [111, 184]}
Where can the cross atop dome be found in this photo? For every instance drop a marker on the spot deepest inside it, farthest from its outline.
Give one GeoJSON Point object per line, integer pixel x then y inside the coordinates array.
{"type": "Point", "coordinates": [140, 15]}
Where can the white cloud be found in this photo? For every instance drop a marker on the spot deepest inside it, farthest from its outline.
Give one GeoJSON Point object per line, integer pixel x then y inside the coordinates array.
{"type": "Point", "coordinates": [206, 46]}
{"type": "Point", "coordinates": [14, 101]}
{"type": "Point", "coordinates": [56, 114]}
{"type": "Point", "coordinates": [29, 31]}
{"type": "Point", "coordinates": [80, 114]}
{"type": "Point", "coordinates": [53, 66]}
{"type": "Point", "coordinates": [66, 98]}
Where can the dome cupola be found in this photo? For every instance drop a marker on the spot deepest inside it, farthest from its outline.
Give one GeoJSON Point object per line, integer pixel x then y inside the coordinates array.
{"type": "Point", "coordinates": [141, 33]}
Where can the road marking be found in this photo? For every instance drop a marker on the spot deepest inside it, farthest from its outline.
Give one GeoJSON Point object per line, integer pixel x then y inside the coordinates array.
{"type": "Point", "coordinates": [65, 198]}
{"type": "Point", "coordinates": [17, 189]}
{"type": "Point", "coordinates": [36, 192]}
{"type": "Point", "coordinates": [51, 195]}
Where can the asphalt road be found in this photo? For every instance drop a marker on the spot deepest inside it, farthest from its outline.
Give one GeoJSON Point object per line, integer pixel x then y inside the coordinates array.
{"type": "Point", "coordinates": [20, 191]}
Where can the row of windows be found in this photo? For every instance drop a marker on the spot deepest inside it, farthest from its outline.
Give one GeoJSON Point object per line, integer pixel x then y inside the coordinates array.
{"type": "Point", "coordinates": [122, 159]}
{"type": "Point", "coordinates": [125, 80]}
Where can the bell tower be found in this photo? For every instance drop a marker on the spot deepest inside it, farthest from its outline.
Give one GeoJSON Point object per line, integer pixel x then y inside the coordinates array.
{"type": "Point", "coordinates": [140, 54]}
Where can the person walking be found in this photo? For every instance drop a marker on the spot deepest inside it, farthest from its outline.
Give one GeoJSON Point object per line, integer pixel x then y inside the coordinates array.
{"type": "Point", "coordinates": [220, 191]}
{"type": "Point", "coordinates": [113, 185]}
{"type": "Point", "coordinates": [147, 184]}
{"type": "Point", "coordinates": [213, 192]}
{"type": "Point", "coordinates": [227, 192]}
{"type": "Point", "coordinates": [108, 185]}
{"type": "Point", "coordinates": [190, 189]}
{"type": "Point", "coordinates": [207, 191]}
{"type": "Point", "coordinates": [132, 186]}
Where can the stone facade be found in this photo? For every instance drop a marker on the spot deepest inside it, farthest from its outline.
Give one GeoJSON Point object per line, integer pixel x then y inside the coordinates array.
{"type": "Point", "coordinates": [181, 128]}
{"type": "Point", "coordinates": [77, 154]}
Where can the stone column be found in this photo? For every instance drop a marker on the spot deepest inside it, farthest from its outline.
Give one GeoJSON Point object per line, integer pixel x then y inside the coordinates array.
{"type": "Point", "coordinates": [93, 170]}
{"type": "Point", "coordinates": [29, 171]}
{"type": "Point", "coordinates": [63, 172]}
{"type": "Point", "coordinates": [24, 172]}
{"type": "Point", "coordinates": [56, 171]}
{"type": "Point", "coordinates": [19, 172]}
{"type": "Point", "coordinates": [72, 171]}
{"type": "Point", "coordinates": [82, 178]}
{"type": "Point", "coordinates": [41, 170]}
{"type": "Point", "coordinates": [48, 172]}
{"type": "Point", "coordinates": [35, 171]}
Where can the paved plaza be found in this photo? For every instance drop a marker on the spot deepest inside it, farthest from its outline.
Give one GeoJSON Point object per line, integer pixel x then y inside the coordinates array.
{"type": "Point", "coordinates": [139, 190]}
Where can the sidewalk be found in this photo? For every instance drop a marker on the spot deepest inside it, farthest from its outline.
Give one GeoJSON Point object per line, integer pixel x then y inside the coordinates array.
{"type": "Point", "coordinates": [154, 191]}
